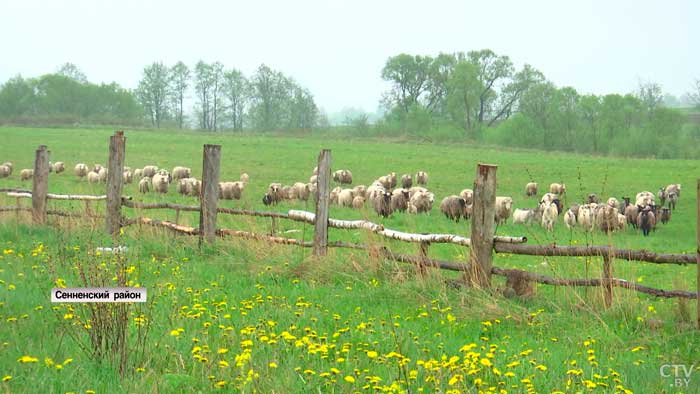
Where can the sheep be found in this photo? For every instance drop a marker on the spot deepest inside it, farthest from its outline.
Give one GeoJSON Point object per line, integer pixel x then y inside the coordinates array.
{"type": "Point", "coordinates": [360, 190]}
{"type": "Point", "coordinates": [621, 221]}
{"type": "Point", "coordinates": [385, 181]}
{"type": "Point", "coordinates": [523, 216]}
{"type": "Point", "coordinates": [570, 219]}
{"type": "Point", "coordinates": [26, 174]}
{"type": "Point", "coordinates": [313, 190]}
{"type": "Point", "coordinates": [399, 200]}
{"type": "Point", "coordinates": [80, 170]}
{"type": "Point", "coordinates": [382, 204]}
{"type": "Point", "coordinates": [503, 208]}
{"type": "Point", "coordinates": [59, 167]}
{"type": "Point", "coordinates": [160, 183]}
{"type": "Point", "coordinates": [585, 217]}
{"type": "Point", "coordinates": [245, 178]}
{"type": "Point", "coordinates": [665, 215]}
{"type": "Point", "coordinates": [196, 187]}
{"type": "Point", "coordinates": [574, 208]}
{"type": "Point", "coordinates": [411, 209]}
{"type": "Point", "coordinates": [358, 202]}
{"type": "Point", "coordinates": [5, 171]}
{"type": "Point", "coordinates": [274, 191]}
{"type": "Point", "coordinates": [672, 200]}
{"type": "Point", "coordinates": [138, 173]}
{"type": "Point", "coordinates": [531, 189]}
{"type": "Point", "coordinates": [606, 218]}
{"type": "Point", "coordinates": [593, 199]}
{"type": "Point", "coordinates": [144, 185]}
{"type": "Point", "coordinates": [548, 197]}
{"type": "Point", "coordinates": [181, 173]}
{"type": "Point", "coordinates": [467, 195]}
{"type": "Point", "coordinates": [631, 212]}
{"type": "Point", "coordinates": [374, 190]}
{"type": "Point", "coordinates": [344, 177]}
{"type": "Point", "coordinates": [646, 220]}
{"type": "Point", "coordinates": [416, 189]}
{"type": "Point", "coordinates": [127, 176]}
{"type": "Point", "coordinates": [97, 167]}
{"type": "Point", "coordinates": [674, 188]}
{"type": "Point", "coordinates": [557, 188]}
{"type": "Point", "coordinates": [406, 181]}
{"type": "Point", "coordinates": [454, 207]}
{"type": "Point", "coordinates": [166, 174]}
{"type": "Point", "coordinates": [315, 171]}
{"type": "Point", "coordinates": [549, 216]}
{"type": "Point", "coordinates": [612, 201]}
{"type": "Point", "coordinates": [422, 178]}
{"type": "Point", "coordinates": [102, 175]}
{"type": "Point", "coordinates": [302, 190]}
{"type": "Point", "coordinates": [8, 164]}
{"type": "Point", "coordinates": [149, 171]}
{"type": "Point", "coordinates": [288, 193]}
{"type": "Point", "coordinates": [345, 197]}
{"type": "Point", "coordinates": [93, 177]}
{"type": "Point", "coordinates": [190, 187]}
{"type": "Point", "coordinates": [229, 190]}
{"type": "Point", "coordinates": [333, 198]}
{"type": "Point", "coordinates": [422, 201]}
{"type": "Point", "coordinates": [644, 198]}
{"type": "Point", "coordinates": [662, 195]}
{"type": "Point", "coordinates": [184, 186]}
{"type": "Point", "coordinates": [626, 202]}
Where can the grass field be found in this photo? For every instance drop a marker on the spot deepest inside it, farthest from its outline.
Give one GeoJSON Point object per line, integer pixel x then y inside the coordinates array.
{"type": "Point", "coordinates": [249, 317]}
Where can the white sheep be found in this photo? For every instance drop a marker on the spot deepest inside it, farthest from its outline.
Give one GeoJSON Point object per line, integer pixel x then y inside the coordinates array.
{"type": "Point", "coordinates": [531, 189]}
{"type": "Point", "coordinates": [138, 173]}
{"type": "Point", "coordinates": [245, 178]}
{"type": "Point", "coordinates": [570, 219]}
{"type": "Point", "coordinates": [586, 217]}
{"type": "Point", "coordinates": [80, 170]}
{"type": "Point", "coordinates": [93, 177]}
{"type": "Point", "coordinates": [102, 174]}
{"type": "Point", "coordinates": [302, 191]}
{"type": "Point", "coordinates": [59, 167]}
{"type": "Point", "coordinates": [644, 198]}
{"type": "Point", "coordinates": [144, 184]}
{"type": "Point", "coordinates": [26, 174]}
{"type": "Point", "coordinates": [549, 215]}
{"type": "Point", "coordinates": [503, 209]}
{"type": "Point", "coordinates": [523, 216]}
{"type": "Point", "coordinates": [358, 202]}
{"type": "Point", "coordinates": [406, 181]}
{"type": "Point", "coordinates": [422, 201]}
{"type": "Point", "coordinates": [557, 188]}
{"type": "Point", "coordinates": [345, 197]}
{"type": "Point", "coordinates": [467, 195]}
{"type": "Point", "coordinates": [149, 171]}
{"type": "Point", "coordinates": [613, 202]}
{"type": "Point", "coordinates": [181, 173]}
{"type": "Point", "coordinates": [160, 183]}
{"type": "Point", "coordinates": [5, 171]}
{"type": "Point", "coordinates": [127, 176]}
{"type": "Point", "coordinates": [422, 178]}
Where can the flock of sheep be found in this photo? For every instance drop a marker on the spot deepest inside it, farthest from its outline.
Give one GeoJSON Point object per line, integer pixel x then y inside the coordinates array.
{"type": "Point", "coordinates": [591, 214]}
{"type": "Point", "coordinates": [385, 197]}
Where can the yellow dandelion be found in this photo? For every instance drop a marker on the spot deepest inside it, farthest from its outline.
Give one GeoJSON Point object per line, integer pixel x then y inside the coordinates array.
{"type": "Point", "coordinates": [349, 379]}
{"type": "Point", "coordinates": [272, 365]}
{"type": "Point", "coordinates": [175, 333]}
{"type": "Point", "coordinates": [89, 391]}
{"type": "Point", "coordinates": [222, 350]}
{"type": "Point", "coordinates": [486, 362]}
{"type": "Point", "coordinates": [6, 378]}
{"type": "Point", "coordinates": [541, 367]}
{"type": "Point", "coordinates": [220, 383]}
{"type": "Point", "coordinates": [223, 364]}
{"type": "Point", "coordinates": [27, 359]}
{"type": "Point", "coordinates": [372, 354]}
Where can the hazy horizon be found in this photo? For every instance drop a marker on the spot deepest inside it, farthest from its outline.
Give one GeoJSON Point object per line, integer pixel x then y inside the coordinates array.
{"type": "Point", "coordinates": [337, 49]}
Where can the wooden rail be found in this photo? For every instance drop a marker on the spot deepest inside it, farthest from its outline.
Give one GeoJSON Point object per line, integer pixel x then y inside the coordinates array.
{"type": "Point", "coordinates": [595, 251]}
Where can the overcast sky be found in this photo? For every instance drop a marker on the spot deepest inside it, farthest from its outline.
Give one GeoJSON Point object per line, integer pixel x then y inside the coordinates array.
{"type": "Point", "coordinates": [337, 48]}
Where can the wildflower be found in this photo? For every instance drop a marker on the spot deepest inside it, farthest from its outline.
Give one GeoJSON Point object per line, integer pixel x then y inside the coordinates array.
{"type": "Point", "coordinates": [541, 367]}
{"type": "Point", "coordinates": [220, 383]}
{"type": "Point", "coordinates": [272, 365]}
{"type": "Point", "coordinates": [222, 351]}
{"type": "Point", "coordinates": [6, 378]}
{"type": "Point", "coordinates": [349, 379]}
{"type": "Point", "coordinates": [372, 354]}
{"type": "Point", "coordinates": [223, 364]}
{"type": "Point", "coordinates": [27, 359]}
{"type": "Point", "coordinates": [636, 349]}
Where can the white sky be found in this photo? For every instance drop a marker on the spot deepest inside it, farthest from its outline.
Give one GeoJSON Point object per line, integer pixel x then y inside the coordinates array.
{"type": "Point", "coordinates": [337, 48]}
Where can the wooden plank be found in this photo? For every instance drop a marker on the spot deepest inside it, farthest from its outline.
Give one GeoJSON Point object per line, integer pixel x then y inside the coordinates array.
{"type": "Point", "coordinates": [483, 227]}
{"type": "Point", "coordinates": [620, 254]}
{"type": "Point", "coordinates": [322, 201]}
{"type": "Point", "coordinates": [209, 198]}
{"type": "Point", "coordinates": [40, 186]}
{"type": "Point", "coordinates": [115, 183]}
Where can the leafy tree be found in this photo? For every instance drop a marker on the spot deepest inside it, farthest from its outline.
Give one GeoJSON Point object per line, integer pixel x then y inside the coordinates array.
{"type": "Point", "coordinates": [694, 94]}
{"type": "Point", "coordinates": [179, 82]}
{"type": "Point", "coordinates": [236, 91]}
{"type": "Point", "coordinates": [72, 71]}
{"type": "Point", "coordinates": [153, 92]}
{"type": "Point", "coordinates": [409, 78]}
{"type": "Point", "coordinates": [17, 98]}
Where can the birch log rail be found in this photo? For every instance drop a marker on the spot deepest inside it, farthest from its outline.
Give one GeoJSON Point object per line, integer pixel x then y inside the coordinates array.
{"type": "Point", "coordinates": [53, 196]}
{"type": "Point", "coordinates": [622, 254]}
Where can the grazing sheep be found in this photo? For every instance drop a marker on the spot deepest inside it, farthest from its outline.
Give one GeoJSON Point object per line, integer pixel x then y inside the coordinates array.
{"type": "Point", "coordinates": [411, 209]}
{"type": "Point", "coordinates": [612, 201]}
{"type": "Point", "coordinates": [406, 181]}
{"type": "Point", "coordinates": [416, 189]}
{"type": "Point", "coordinates": [358, 202]}
{"type": "Point", "coordinates": [160, 183]}
{"type": "Point", "coordinates": [662, 195]}
{"type": "Point", "coordinates": [360, 190]}
{"type": "Point", "coordinates": [570, 219]}
{"type": "Point", "coordinates": [8, 164]}
{"type": "Point", "coordinates": [621, 221]}
{"type": "Point", "coordinates": [274, 191]}
{"type": "Point", "coordinates": [531, 189]}
{"type": "Point", "coordinates": [574, 208]}
{"type": "Point", "coordinates": [467, 195]}
{"type": "Point", "coordinates": [230, 190]}
{"type": "Point", "coordinates": [288, 193]}
{"type": "Point", "coordinates": [454, 207]}
{"type": "Point", "coordinates": [315, 171]}
{"type": "Point", "coordinates": [644, 198]}
{"type": "Point", "coordinates": [422, 178]}
{"type": "Point", "coordinates": [399, 200]}
{"type": "Point", "coordinates": [181, 173]}
{"type": "Point", "coordinates": [80, 170]}
{"type": "Point", "coordinates": [333, 198]}
{"type": "Point", "coordinates": [5, 171]}
{"type": "Point", "coordinates": [382, 204]}
{"type": "Point", "coordinates": [59, 167]}
{"type": "Point", "coordinates": [302, 190]}
{"type": "Point", "coordinates": [606, 218]}
{"type": "Point", "coordinates": [585, 217]}
{"type": "Point", "coordinates": [93, 177]}
{"type": "Point", "coordinates": [245, 178]}
{"type": "Point", "coordinates": [183, 186]}
{"type": "Point", "coordinates": [523, 216]}
{"type": "Point", "coordinates": [422, 201]}
{"type": "Point", "coordinates": [548, 197]}
{"type": "Point", "coordinates": [127, 176]}
{"type": "Point", "coordinates": [593, 199]}
{"type": "Point", "coordinates": [665, 215]}
{"type": "Point", "coordinates": [190, 187]}
{"type": "Point", "coordinates": [549, 216]}
{"type": "Point", "coordinates": [674, 188]}
{"type": "Point", "coordinates": [344, 177]}
{"type": "Point", "coordinates": [672, 200]}
{"type": "Point", "coordinates": [138, 173]}
{"type": "Point", "coordinates": [26, 174]}
{"type": "Point", "coordinates": [102, 175]}
{"type": "Point", "coordinates": [144, 185]}
{"type": "Point", "coordinates": [503, 209]}
{"type": "Point", "coordinates": [149, 171]}
{"type": "Point", "coordinates": [97, 167]}
{"type": "Point", "coordinates": [646, 220]}
{"type": "Point", "coordinates": [631, 212]}
{"type": "Point", "coordinates": [345, 197]}
{"type": "Point", "coordinates": [374, 191]}
{"type": "Point", "coordinates": [557, 188]}
{"type": "Point", "coordinates": [385, 181]}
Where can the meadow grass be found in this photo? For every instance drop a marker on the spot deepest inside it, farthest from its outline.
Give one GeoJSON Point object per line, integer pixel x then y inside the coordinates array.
{"type": "Point", "coordinates": [288, 323]}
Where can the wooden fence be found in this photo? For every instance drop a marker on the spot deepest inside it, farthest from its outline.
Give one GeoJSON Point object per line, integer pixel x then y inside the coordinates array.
{"type": "Point", "coordinates": [483, 243]}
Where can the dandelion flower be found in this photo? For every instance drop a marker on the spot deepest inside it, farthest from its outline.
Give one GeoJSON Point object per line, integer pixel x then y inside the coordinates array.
{"type": "Point", "coordinates": [6, 378]}
{"type": "Point", "coordinates": [27, 359]}
{"type": "Point", "coordinates": [349, 379]}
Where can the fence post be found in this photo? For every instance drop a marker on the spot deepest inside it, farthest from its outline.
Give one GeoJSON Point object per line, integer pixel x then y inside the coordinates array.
{"type": "Point", "coordinates": [483, 227]}
{"type": "Point", "coordinates": [322, 200]}
{"type": "Point", "coordinates": [115, 183]}
{"type": "Point", "coordinates": [607, 277]}
{"type": "Point", "coordinates": [210, 193]}
{"type": "Point", "coordinates": [273, 225]}
{"type": "Point", "coordinates": [697, 256]}
{"type": "Point", "coordinates": [40, 185]}
{"type": "Point", "coordinates": [423, 251]}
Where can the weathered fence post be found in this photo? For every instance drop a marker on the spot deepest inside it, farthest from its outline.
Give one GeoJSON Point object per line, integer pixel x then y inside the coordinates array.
{"type": "Point", "coordinates": [210, 193]}
{"type": "Point", "coordinates": [17, 211]}
{"type": "Point", "coordinates": [607, 278]}
{"type": "Point", "coordinates": [483, 227]}
{"type": "Point", "coordinates": [423, 251]}
{"type": "Point", "coordinates": [273, 225]}
{"type": "Point", "coordinates": [115, 183]}
{"type": "Point", "coordinates": [177, 216]}
{"type": "Point", "coordinates": [40, 186]}
{"type": "Point", "coordinates": [697, 252]}
{"type": "Point", "coordinates": [322, 200]}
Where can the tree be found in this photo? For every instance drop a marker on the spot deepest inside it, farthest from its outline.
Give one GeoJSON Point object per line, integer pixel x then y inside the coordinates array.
{"type": "Point", "coordinates": [236, 91]}
{"type": "Point", "coordinates": [650, 94]}
{"type": "Point", "coordinates": [17, 98]}
{"type": "Point", "coordinates": [536, 104]}
{"type": "Point", "coordinates": [72, 71]}
{"type": "Point", "coordinates": [591, 112]}
{"type": "Point", "coordinates": [463, 89]}
{"type": "Point", "coordinates": [153, 92]}
{"type": "Point", "coordinates": [493, 70]}
{"type": "Point", "coordinates": [409, 76]}
{"type": "Point", "coordinates": [269, 90]}
{"type": "Point", "coordinates": [209, 86]}
{"type": "Point", "coordinates": [694, 94]}
{"type": "Point", "coordinates": [179, 82]}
